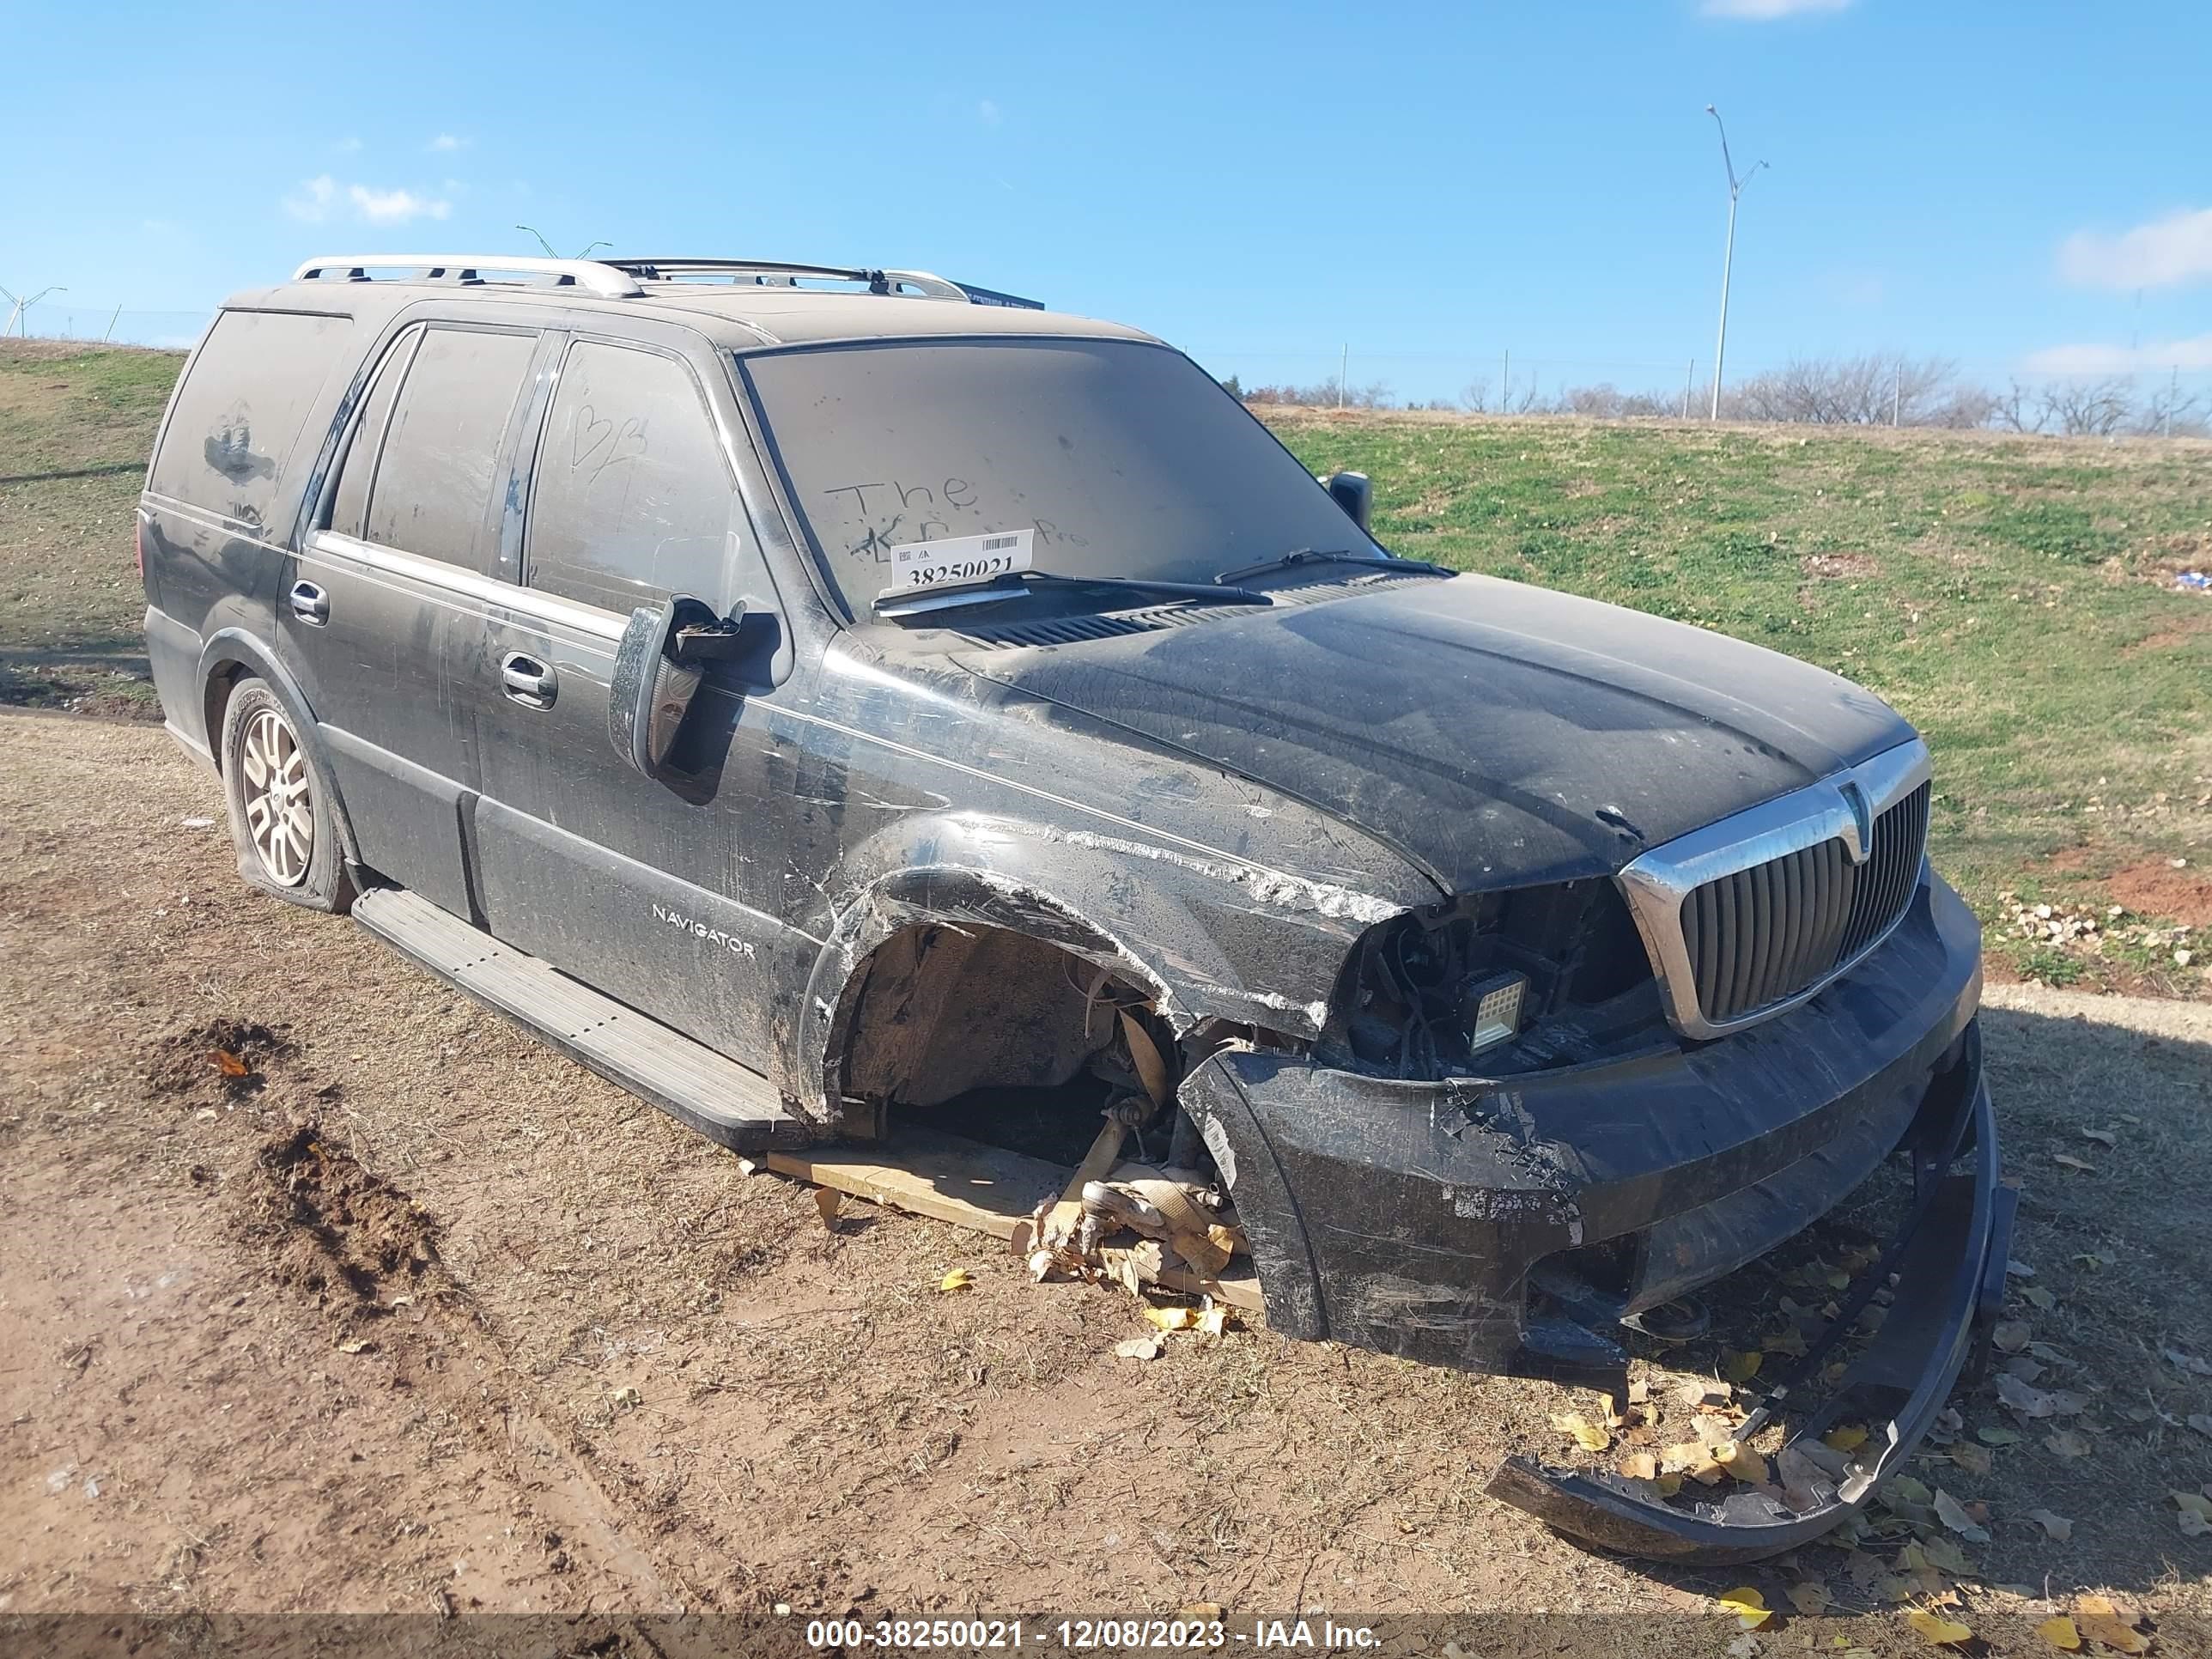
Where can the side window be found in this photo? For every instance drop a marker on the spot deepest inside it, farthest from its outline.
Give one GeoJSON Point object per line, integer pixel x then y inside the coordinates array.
{"type": "Point", "coordinates": [228, 442]}
{"type": "Point", "coordinates": [633, 497]}
{"type": "Point", "coordinates": [433, 488]}
{"type": "Point", "coordinates": [351, 499]}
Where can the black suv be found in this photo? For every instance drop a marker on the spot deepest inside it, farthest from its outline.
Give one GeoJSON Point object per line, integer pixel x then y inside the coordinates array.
{"type": "Point", "coordinates": [819, 698]}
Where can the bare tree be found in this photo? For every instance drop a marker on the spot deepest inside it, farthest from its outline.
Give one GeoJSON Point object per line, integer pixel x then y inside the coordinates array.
{"type": "Point", "coordinates": [2091, 409]}
{"type": "Point", "coordinates": [1877, 389]}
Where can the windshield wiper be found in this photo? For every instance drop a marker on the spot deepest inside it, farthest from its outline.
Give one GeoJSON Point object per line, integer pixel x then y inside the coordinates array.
{"type": "Point", "coordinates": [1016, 584]}
{"type": "Point", "coordinates": [1298, 556]}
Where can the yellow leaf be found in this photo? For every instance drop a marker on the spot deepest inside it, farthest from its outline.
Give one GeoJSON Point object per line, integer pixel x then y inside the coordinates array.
{"type": "Point", "coordinates": [1937, 1631]}
{"type": "Point", "coordinates": [1587, 1434]}
{"type": "Point", "coordinates": [2060, 1634]}
{"type": "Point", "coordinates": [1741, 1462]}
{"type": "Point", "coordinates": [1668, 1485]}
{"type": "Point", "coordinates": [2101, 1621]}
{"type": "Point", "coordinates": [1845, 1436]}
{"type": "Point", "coordinates": [959, 1279]}
{"type": "Point", "coordinates": [1173, 1319]}
{"type": "Point", "coordinates": [1749, 1606]}
{"type": "Point", "coordinates": [1213, 1321]}
{"type": "Point", "coordinates": [1640, 1466]}
{"type": "Point", "coordinates": [1740, 1367]}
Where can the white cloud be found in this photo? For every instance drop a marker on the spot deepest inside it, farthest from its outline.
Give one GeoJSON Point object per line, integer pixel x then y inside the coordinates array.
{"type": "Point", "coordinates": [394, 207]}
{"type": "Point", "coordinates": [1765, 11]}
{"type": "Point", "coordinates": [988, 112]}
{"type": "Point", "coordinates": [2175, 249]}
{"type": "Point", "coordinates": [322, 198]}
{"type": "Point", "coordinates": [312, 203]}
{"type": "Point", "coordinates": [2157, 357]}
{"type": "Point", "coordinates": [446, 141]}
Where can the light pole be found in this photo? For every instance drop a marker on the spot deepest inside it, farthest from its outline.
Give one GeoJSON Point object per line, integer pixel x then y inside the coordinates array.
{"type": "Point", "coordinates": [1728, 258]}
{"type": "Point", "coordinates": [22, 308]}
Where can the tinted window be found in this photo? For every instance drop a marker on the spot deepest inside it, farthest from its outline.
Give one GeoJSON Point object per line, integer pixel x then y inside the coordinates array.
{"type": "Point", "coordinates": [360, 462]}
{"type": "Point", "coordinates": [1127, 459]}
{"type": "Point", "coordinates": [434, 482]}
{"type": "Point", "coordinates": [633, 495]}
{"type": "Point", "coordinates": [228, 446]}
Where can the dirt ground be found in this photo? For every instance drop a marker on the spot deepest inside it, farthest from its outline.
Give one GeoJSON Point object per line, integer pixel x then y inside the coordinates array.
{"type": "Point", "coordinates": [415, 1315]}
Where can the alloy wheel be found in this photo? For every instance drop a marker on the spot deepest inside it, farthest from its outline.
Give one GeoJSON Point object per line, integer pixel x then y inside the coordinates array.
{"type": "Point", "coordinates": [280, 807]}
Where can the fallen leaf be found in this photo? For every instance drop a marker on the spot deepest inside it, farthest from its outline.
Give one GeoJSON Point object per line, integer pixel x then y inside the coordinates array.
{"type": "Point", "coordinates": [747, 1166]}
{"type": "Point", "coordinates": [1640, 1466]}
{"type": "Point", "coordinates": [1639, 1390]}
{"type": "Point", "coordinates": [2187, 1362]}
{"type": "Point", "coordinates": [2103, 1136]}
{"type": "Point", "coordinates": [1173, 1319]}
{"type": "Point", "coordinates": [1904, 1489]}
{"type": "Point", "coordinates": [2194, 1503]}
{"type": "Point", "coordinates": [1997, 1435]}
{"type": "Point", "coordinates": [2060, 1634]}
{"type": "Point", "coordinates": [959, 1279]}
{"type": "Point", "coordinates": [2057, 1528]}
{"type": "Point", "coordinates": [1952, 1515]}
{"type": "Point", "coordinates": [1945, 1556]}
{"type": "Point", "coordinates": [2068, 1442]}
{"type": "Point", "coordinates": [2040, 1297]}
{"type": "Point", "coordinates": [1749, 1606]}
{"type": "Point", "coordinates": [1213, 1321]}
{"type": "Point", "coordinates": [2068, 1161]}
{"type": "Point", "coordinates": [2101, 1621]}
{"type": "Point", "coordinates": [1809, 1598]}
{"type": "Point", "coordinates": [826, 1200]}
{"type": "Point", "coordinates": [629, 1398]}
{"type": "Point", "coordinates": [1846, 1437]}
{"type": "Point", "coordinates": [2018, 1397]}
{"type": "Point", "coordinates": [1937, 1631]}
{"type": "Point", "coordinates": [1585, 1433]}
{"type": "Point", "coordinates": [1740, 1367]}
{"type": "Point", "coordinates": [2010, 1335]}
{"type": "Point", "coordinates": [2192, 1524]}
{"type": "Point", "coordinates": [1742, 1461]}
{"type": "Point", "coordinates": [1138, 1348]}
{"type": "Point", "coordinates": [1203, 1612]}
{"type": "Point", "coordinates": [2201, 1421]}
{"type": "Point", "coordinates": [227, 1063]}
{"type": "Point", "coordinates": [357, 1345]}
{"type": "Point", "coordinates": [1975, 1459]}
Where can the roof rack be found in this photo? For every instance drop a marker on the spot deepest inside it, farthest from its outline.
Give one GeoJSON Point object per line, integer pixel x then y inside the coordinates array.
{"type": "Point", "coordinates": [592, 275]}
{"type": "Point", "coordinates": [778, 273]}
{"type": "Point", "coordinates": [618, 279]}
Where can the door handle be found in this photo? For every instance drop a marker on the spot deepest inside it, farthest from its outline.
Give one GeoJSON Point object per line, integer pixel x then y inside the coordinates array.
{"type": "Point", "coordinates": [525, 680]}
{"type": "Point", "coordinates": [310, 604]}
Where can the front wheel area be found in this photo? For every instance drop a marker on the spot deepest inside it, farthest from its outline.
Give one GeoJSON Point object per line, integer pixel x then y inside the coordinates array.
{"type": "Point", "coordinates": [281, 813]}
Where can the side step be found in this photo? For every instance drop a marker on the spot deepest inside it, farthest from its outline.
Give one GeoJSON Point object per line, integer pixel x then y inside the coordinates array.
{"type": "Point", "coordinates": [714, 1095]}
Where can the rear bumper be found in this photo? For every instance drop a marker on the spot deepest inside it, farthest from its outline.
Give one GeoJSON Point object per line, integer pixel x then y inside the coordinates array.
{"type": "Point", "coordinates": [1509, 1224]}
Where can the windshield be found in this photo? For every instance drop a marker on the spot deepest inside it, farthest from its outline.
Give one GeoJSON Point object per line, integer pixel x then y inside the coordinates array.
{"type": "Point", "coordinates": [920, 464]}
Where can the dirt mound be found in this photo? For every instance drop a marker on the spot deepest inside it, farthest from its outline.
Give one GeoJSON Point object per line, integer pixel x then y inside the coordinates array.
{"type": "Point", "coordinates": [2156, 888]}
{"type": "Point", "coordinates": [226, 1056]}
{"type": "Point", "coordinates": [333, 1230]}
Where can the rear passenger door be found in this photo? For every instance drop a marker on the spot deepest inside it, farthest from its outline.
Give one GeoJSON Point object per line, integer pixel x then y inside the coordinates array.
{"type": "Point", "coordinates": [664, 900]}
{"type": "Point", "coordinates": [395, 578]}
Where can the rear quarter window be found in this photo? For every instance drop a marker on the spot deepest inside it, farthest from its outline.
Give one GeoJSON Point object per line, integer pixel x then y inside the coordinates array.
{"type": "Point", "coordinates": [231, 440]}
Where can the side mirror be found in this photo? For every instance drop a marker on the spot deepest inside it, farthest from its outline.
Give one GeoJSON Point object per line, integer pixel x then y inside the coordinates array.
{"type": "Point", "coordinates": [1352, 492]}
{"type": "Point", "coordinates": [664, 655]}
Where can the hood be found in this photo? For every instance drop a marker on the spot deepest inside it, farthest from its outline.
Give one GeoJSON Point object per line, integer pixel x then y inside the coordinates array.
{"type": "Point", "coordinates": [1493, 733]}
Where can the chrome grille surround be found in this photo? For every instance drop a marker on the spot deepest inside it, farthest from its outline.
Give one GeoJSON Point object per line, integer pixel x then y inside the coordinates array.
{"type": "Point", "coordinates": [1755, 914]}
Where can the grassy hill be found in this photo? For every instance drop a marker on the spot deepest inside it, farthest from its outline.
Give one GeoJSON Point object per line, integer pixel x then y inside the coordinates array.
{"type": "Point", "coordinates": [2013, 596]}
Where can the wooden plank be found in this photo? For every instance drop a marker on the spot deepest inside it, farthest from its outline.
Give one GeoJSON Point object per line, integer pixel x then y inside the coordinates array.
{"type": "Point", "coordinates": [987, 1189]}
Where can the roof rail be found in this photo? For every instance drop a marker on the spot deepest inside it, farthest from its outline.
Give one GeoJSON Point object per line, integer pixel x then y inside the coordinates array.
{"type": "Point", "coordinates": [778, 273]}
{"type": "Point", "coordinates": [592, 275]}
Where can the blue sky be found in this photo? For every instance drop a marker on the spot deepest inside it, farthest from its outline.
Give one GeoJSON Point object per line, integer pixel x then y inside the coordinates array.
{"type": "Point", "coordinates": [2017, 186]}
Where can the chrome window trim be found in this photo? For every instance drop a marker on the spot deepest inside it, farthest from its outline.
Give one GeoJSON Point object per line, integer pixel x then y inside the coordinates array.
{"type": "Point", "coordinates": [1841, 807]}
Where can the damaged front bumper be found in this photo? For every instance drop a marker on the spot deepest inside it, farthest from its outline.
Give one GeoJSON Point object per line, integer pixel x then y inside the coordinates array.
{"type": "Point", "coordinates": [1514, 1223]}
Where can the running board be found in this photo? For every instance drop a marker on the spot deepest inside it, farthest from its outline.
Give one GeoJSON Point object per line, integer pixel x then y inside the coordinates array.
{"type": "Point", "coordinates": [710, 1092]}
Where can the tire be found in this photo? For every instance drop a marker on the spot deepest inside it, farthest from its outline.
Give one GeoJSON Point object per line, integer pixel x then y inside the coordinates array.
{"type": "Point", "coordinates": [283, 816]}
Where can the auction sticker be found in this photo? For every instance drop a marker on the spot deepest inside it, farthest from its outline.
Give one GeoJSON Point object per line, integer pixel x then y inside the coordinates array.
{"type": "Point", "coordinates": [960, 559]}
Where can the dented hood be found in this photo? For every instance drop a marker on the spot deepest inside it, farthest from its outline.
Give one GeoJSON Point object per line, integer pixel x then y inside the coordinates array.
{"type": "Point", "coordinates": [1493, 733]}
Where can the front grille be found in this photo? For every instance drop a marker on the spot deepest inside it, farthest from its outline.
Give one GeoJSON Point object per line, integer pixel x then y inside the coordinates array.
{"type": "Point", "coordinates": [1762, 935]}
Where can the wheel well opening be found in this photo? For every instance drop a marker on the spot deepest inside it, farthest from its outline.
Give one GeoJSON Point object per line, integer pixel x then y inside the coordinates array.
{"type": "Point", "coordinates": [993, 1035]}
